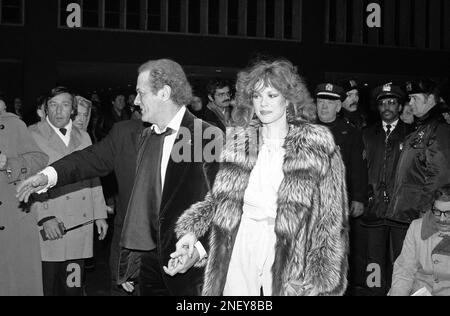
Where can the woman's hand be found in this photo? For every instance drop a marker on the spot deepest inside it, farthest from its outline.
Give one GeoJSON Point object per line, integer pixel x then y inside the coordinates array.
{"type": "Point", "coordinates": [188, 242]}
{"type": "Point", "coordinates": [298, 288]}
{"type": "Point", "coordinates": [181, 263]}
{"type": "Point", "coordinates": [184, 257]}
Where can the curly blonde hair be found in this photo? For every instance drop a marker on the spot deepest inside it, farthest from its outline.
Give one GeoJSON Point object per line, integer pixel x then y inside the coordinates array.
{"type": "Point", "coordinates": [282, 75]}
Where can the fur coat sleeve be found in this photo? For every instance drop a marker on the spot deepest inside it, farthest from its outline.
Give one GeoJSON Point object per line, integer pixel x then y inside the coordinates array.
{"type": "Point", "coordinates": [197, 219]}
{"type": "Point", "coordinates": [312, 223]}
{"type": "Point", "coordinates": [326, 259]}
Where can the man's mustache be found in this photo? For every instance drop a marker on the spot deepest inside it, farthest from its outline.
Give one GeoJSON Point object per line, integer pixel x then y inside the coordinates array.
{"type": "Point", "coordinates": [385, 112]}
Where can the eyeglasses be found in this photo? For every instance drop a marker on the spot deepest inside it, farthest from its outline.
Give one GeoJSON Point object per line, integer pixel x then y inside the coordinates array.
{"type": "Point", "coordinates": [223, 94]}
{"type": "Point", "coordinates": [439, 213]}
{"type": "Point", "coordinates": [387, 102]}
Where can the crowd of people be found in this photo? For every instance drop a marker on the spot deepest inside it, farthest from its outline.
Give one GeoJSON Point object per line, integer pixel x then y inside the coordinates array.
{"type": "Point", "coordinates": [257, 188]}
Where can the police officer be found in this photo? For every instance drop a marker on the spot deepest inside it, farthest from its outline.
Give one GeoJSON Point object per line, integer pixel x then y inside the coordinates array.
{"type": "Point", "coordinates": [351, 108]}
{"type": "Point", "coordinates": [424, 163]}
{"type": "Point", "coordinates": [349, 139]}
{"type": "Point", "coordinates": [383, 144]}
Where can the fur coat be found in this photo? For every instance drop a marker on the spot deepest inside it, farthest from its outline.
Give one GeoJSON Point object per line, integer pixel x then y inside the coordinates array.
{"type": "Point", "coordinates": [312, 216]}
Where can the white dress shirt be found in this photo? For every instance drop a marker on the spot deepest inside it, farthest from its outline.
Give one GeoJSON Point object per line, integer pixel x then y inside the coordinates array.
{"type": "Point", "coordinates": [169, 141]}
{"type": "Point", "coordinates": [393, 126]}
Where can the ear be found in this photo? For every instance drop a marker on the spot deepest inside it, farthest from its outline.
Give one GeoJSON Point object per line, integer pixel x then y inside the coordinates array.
{"type": "Point", "coordinates": [165, 93]}
{"type": "Point", "coordinates": [431, 100]}
{"type": "Point", "coordinates": [210, 98]}
{"type": "Point", "coordinates": [338, 106]}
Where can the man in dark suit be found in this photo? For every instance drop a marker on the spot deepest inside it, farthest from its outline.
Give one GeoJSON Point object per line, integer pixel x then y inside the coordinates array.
{"type": "Point", "coordinates": [163, 168]}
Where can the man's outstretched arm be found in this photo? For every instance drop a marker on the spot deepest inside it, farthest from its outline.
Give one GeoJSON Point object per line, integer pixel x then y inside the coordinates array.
{"type": "Point", "coordinates": [94, 161]}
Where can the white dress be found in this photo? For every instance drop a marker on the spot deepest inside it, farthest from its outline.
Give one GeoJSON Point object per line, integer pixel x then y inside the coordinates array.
{"type": "Point", "coordinates": [250, 269]}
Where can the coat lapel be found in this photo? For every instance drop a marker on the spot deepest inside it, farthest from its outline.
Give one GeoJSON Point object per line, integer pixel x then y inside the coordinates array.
{"type": "Point", "coordinates": [75, 139]}
{"type": "Point", "coordinates": [54, 141]}
{"type": "Point", "coordinates": [176, 171]}
{"type": "Point", "coordinates": [137, 137]}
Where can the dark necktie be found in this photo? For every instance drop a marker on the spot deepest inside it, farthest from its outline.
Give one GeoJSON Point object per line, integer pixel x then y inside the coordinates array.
{"type": "Point", "coordinates": [388, 131]}
{"type": "Point", "coordinates": [63, 131]}
{"type": "Point", "coordinates": [141, 221]}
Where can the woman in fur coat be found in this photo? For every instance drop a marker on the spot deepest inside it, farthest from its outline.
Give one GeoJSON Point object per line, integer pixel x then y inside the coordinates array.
{"type": "Point", "coordinates": [277, 214]}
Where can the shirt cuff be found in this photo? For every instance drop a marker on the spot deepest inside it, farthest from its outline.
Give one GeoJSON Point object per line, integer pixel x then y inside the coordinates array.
{"type": "Point", "coordinates": [52, 176]}
{"type": "Point", "coordinates": [201, 250]}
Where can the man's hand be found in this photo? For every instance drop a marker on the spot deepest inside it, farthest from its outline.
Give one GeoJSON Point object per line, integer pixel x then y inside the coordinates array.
{"type": "Point", "coordinates": [128, 287]}
{"type": "Point", "coordinates": [3, 161]}
{"type": "Point", "coordinates": [102, 228]}
{"type": "Point", "coordinates": [53, 229]}
{"type": "Point", "coordinates": [31, 185]}
{"type": "Point", "coordinates": [357, 209]}
{"type": "Point", "coordinates": [181, 262]}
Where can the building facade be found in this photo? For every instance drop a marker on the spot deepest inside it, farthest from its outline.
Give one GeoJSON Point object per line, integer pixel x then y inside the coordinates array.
{"type": "Point", "coordinates": [327, 39]}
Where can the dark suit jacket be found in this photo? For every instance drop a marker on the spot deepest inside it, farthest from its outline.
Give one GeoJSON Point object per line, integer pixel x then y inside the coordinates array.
{"type": "Point", "coordinates": [185, 184]}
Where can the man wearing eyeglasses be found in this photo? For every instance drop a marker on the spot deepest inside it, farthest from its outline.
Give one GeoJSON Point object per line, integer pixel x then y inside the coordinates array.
{"type": "Point", "coordinates": [219, 109]}
{"type": "Point", "coordinates": [424, 264]}
{"type": "Point", "coordinates": [383, 143]}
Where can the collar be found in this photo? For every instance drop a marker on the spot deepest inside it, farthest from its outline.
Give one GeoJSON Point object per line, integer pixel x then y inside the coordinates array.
{"type": "Point", "coordinates": [329, 124]}
{"type": "Point", "coordinates": [393, 125]}
{"type": "Point", "coordinates": [68, 127]}
{"type": "Point", "coordinates": [174, 124]}
{"type": "Point", "coordinates": [432, 115]}
{"type": "Point", "coordinates": [215, 108]}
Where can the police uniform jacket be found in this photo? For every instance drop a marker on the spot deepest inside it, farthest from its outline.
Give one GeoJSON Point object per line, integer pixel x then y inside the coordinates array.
{"type": "Point", "coordinates": [357, 118]}
{"type": "Point", "coordinates": [424, 166]}
{"type": "Point", "coordinates": [349, 140]}
{"type": "Point", "coordinates": [382, 159]}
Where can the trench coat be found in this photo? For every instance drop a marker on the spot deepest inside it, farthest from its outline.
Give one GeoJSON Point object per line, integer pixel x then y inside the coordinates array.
{"type": "Point", "coordinates": [73, 204]}
{"type": "Point", "coordinates": [20, 256]}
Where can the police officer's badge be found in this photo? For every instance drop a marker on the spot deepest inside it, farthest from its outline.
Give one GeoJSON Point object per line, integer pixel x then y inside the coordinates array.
{"type": "Point", "coordinates": [387, 88]}
{"type": "Point", "coordinates": [329, 87]}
